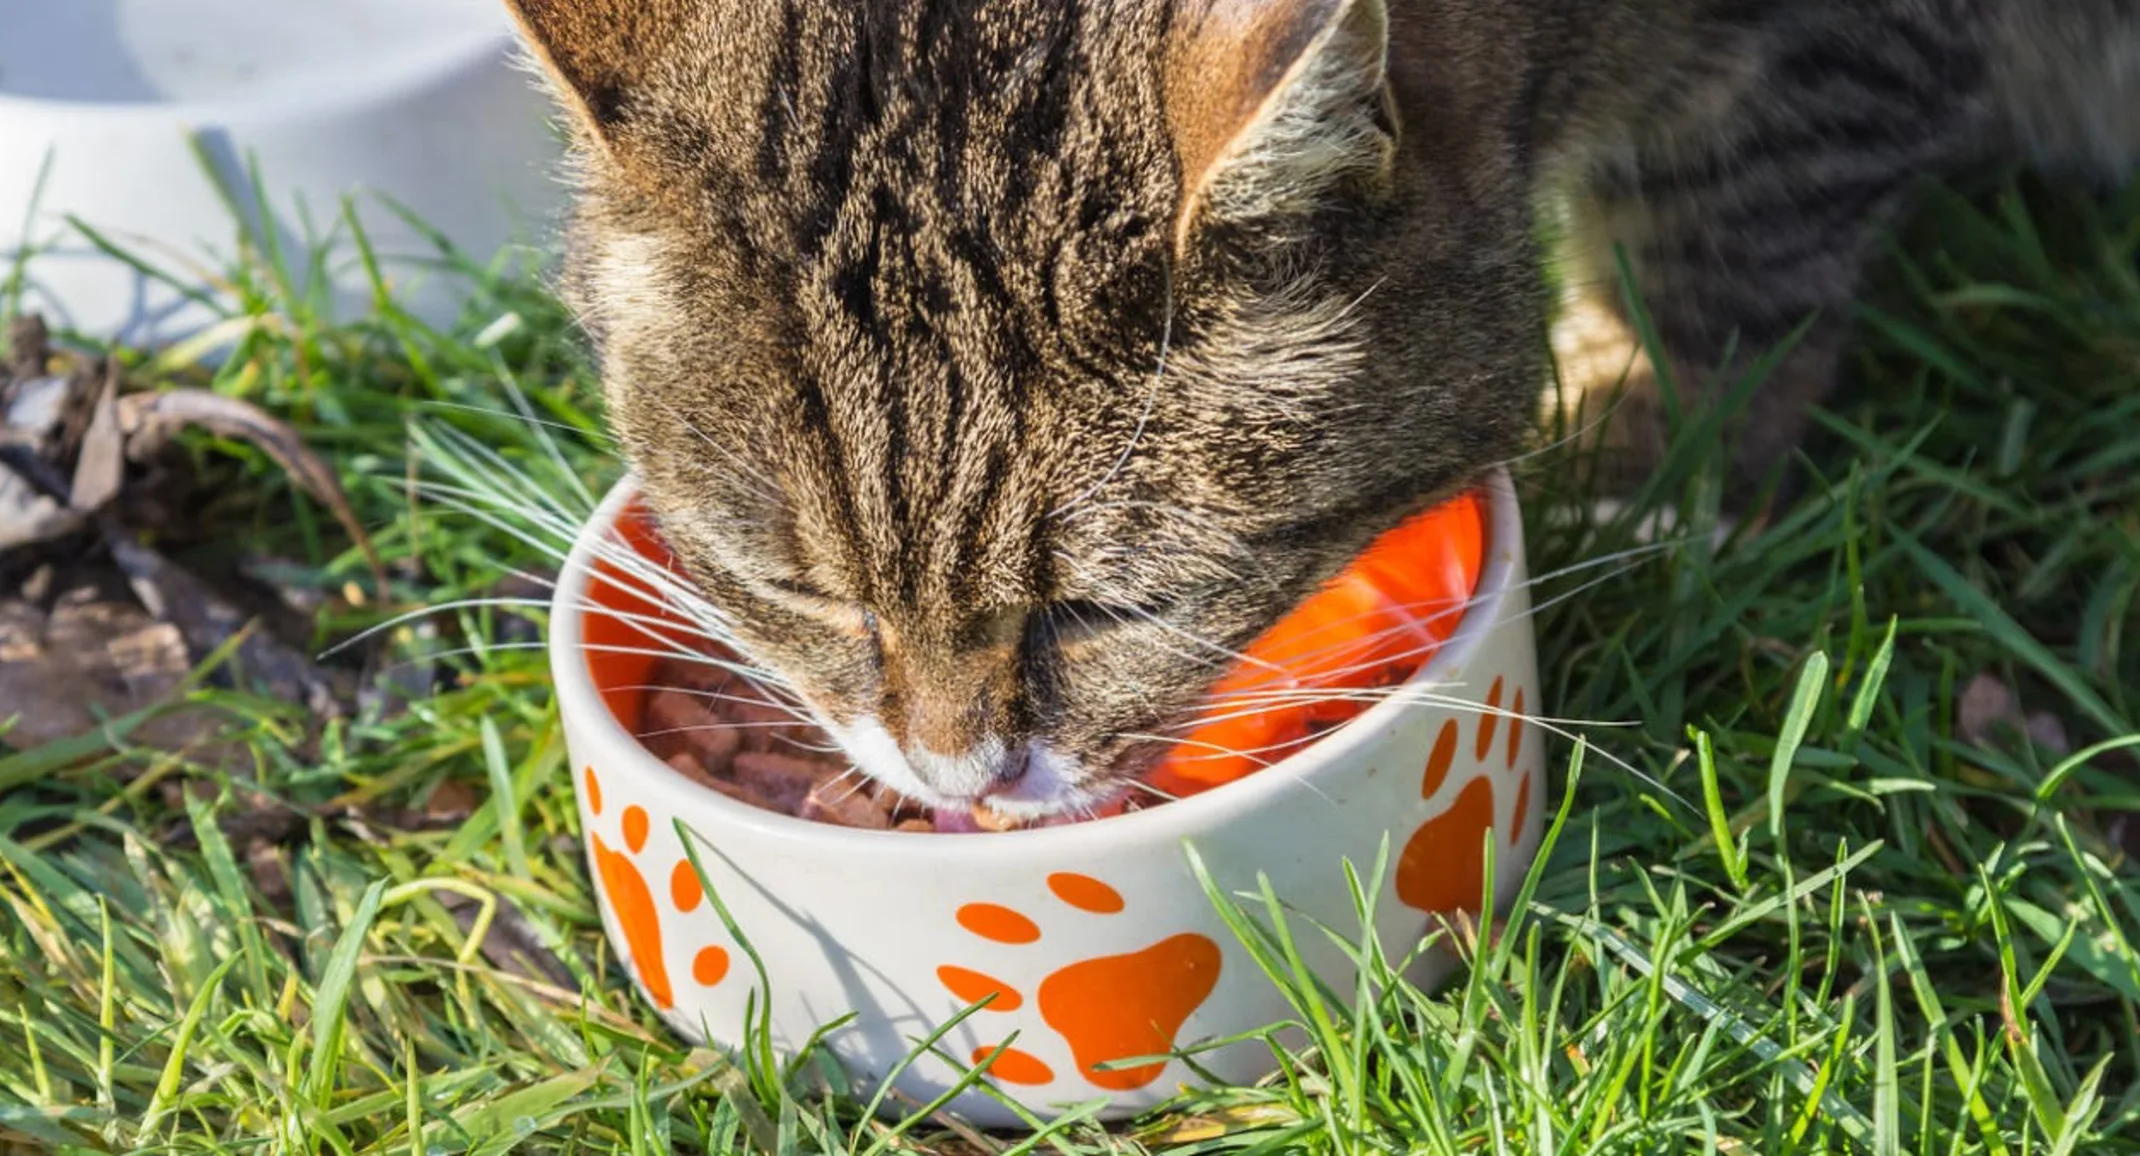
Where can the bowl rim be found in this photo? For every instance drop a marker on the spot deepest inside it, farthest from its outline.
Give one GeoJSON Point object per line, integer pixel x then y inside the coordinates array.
{"type": "Point", "coordinates": [577, 697]}
{"type": "Point", "coordinates": [386, 78]}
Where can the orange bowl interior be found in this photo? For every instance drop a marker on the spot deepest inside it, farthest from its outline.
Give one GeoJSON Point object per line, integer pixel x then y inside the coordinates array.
{"type": "Point", "coordinates": [625, 632]}
{"type": "Point", "coordinates": [1371, 628]}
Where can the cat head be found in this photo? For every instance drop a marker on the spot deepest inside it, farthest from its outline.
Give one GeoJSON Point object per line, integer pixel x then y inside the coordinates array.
{"type": "Point", "coordinates": [1000, 369]}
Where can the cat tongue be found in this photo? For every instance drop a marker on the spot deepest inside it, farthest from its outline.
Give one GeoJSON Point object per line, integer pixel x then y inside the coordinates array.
{"type": "Point", "coordinates": [955, 822]}
{"type": "Point", "coordinates": [980, 819]}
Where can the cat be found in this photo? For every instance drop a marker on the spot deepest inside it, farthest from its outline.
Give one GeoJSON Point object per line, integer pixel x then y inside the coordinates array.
{"type": "Point", "coordinates": [999, 368]}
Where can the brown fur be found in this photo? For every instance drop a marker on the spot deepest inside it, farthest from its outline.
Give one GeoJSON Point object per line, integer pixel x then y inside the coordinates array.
{"type": "Point", "coordinates": [999, 367]}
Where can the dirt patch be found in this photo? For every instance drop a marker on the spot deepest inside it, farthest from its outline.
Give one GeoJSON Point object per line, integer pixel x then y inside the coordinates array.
{"type": "Point", "coordinates": [102, 629]}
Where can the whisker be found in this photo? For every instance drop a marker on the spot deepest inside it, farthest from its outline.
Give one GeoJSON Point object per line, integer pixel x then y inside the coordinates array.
{"type": "Point", "coordinates": [655, 629]}
{"type": "Point", "coordinates": [648, 579]}
{"type": "Point", "coordinates": [519, 399]}
{"type": "Point", "coordinates": [1220, 751]}
{"type": "Point", "coordinates": [424, 613]}
{"type": "Point", "coordinates": [594, 435]}
{"type": "Point", "coordinates": [474, 480]}
{"type": "Point", "coordinates": [703, 728]}
{"type": "Point", "coordinates": [796, 711]}
{"type": "Point", "coordinates": [861, 782]}
{"type": "Point", "coordinates": [1228, 653]}
{"type": "Point", "coordinates": [700, 692]}
{"type": "Point", "coordinates": [466, 459]}
{"type": "Point", "coordinates": [1550, 446]}
{"type": "Point", "coordinates": [1378, 659]}
{"type": "Point", "coordinates": [1151, 398]}
{"type": "Point", "coordinates": [1560, 728]}
{"type": "Point", "coordinates": [1250, 706]}
{"type": "Point", "coordinates": [755, 677]}
{"type": "Point", "coordinates": [707, 728]}
{"type": "Point", "coordinates": [813, 748]}
{"type": "Point", "coordinates": [759, 481]}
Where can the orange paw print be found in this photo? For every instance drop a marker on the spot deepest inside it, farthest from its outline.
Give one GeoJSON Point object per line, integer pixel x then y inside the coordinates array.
{"type": "Point", "coordinates": [1109, 1008]}
{"type": "Point", "coordinates": [1441, 869]}
{"type": "Point", "coordinates": [632, 901]}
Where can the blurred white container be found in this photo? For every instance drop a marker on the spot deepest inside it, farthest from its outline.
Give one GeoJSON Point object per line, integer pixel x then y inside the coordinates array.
{"type": "Point", "coordinates": [116, 112]}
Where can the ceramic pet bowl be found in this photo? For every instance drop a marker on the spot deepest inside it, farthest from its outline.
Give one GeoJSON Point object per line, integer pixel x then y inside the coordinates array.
{"type": "Point", "coordinates": [1100, 946]}
{"type": "Point", "coordinates": [129, 114]}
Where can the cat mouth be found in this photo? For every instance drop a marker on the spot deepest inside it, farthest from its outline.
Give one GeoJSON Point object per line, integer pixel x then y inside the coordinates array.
{"type": "Point", "coordinates": [1036, 810]}
{"type": "Point", "coordinates": [1054, 790]}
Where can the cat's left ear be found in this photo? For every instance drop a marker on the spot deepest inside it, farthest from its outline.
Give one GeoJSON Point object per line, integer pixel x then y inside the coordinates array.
{"type": "Point", "coordinates": [1274, 105]}
{"type": "Point", "coordinates": [600, 54]}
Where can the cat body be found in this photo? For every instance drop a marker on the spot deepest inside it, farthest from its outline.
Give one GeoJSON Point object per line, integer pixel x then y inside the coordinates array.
{"type": "Point", "coordinates": [1000, 369]}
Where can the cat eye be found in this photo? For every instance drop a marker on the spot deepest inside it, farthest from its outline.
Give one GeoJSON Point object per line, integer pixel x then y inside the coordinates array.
{"type": "Point", "coordinates": [800, 592]}
{"type": "Point", "coordinates": [1075, 619]}
{"type": "Point", "coordinates": [811, 602]}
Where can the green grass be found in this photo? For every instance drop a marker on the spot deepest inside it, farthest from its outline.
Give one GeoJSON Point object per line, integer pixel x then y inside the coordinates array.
{"type": "Point", "coordinates": [1831, 924]}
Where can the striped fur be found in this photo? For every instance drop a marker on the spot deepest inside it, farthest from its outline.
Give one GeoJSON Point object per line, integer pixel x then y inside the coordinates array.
{"type": "Point", "coordinates": [1002, 366]}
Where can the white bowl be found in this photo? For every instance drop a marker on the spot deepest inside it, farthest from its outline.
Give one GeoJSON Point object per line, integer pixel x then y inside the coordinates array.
{"type": "Point", "coordinates": [1099, 937]}
{"type": "Point", "coordinates": [124, 107]}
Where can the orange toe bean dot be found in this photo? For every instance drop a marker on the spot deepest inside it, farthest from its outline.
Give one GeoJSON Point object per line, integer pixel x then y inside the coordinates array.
{"type": "Point", "coordinates": [1439, 762]}
{"type": "Point", "coordinates": [999, 924]}
{"type": "Point", "coordinates": [973, 987]}
{"type": "Point", "coordinates": [1489, 719]}
{"type": "Point", "coordinates": [1085, 893]}
{"type": "Point", "coordinates": [709, 966]}
{"type": "Point", "coordinates": [1515, 731]}
{"type": "Point", "coordinates": [1523, 809]}
{"type": "Point", "coordinates": [684, 886]}
{"type": "Point", "coordinates": [635, 825]}
{"type": "Point", "coordinates": [632, 902]}
{"type": "Point", "coordinates": [1016, 1067]}
{"type": "Point", "coordinates": [1442, 869]}
{"type": "Point", "coordinates": [594, 792]}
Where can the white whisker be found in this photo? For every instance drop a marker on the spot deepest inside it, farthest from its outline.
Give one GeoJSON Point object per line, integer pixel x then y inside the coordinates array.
{"type": "Point", "coordinates": [700, 728]}
{"type": "Point", "coordinates": [1225, 652]}
{"type": "Point", "coordinates": [1151, 399]}
{"type": "Point", "coordinates": [519, 398]}
{"type": "Point", "coordinates": [653, 581]}
{"type": "Point", "coordinates": [757, 479]}
{"type": "Point", "coordinates": [540, 422]}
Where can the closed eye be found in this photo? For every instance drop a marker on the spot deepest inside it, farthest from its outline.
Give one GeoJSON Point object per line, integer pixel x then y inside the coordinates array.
{"type": "Point", "coordinates": [812, 602]}
{"type": "Point", "coordinates": [799, 591]}
{"type": "Point", "coordinates": [1075, 619]}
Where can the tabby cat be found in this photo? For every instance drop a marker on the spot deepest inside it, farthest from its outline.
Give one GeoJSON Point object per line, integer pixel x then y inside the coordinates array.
{"type": "Point", "coordinates": [999, 367]}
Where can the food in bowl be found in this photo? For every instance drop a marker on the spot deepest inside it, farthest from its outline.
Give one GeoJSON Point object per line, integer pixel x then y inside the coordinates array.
{"type": "Point", "coordinates": [1368, 630]}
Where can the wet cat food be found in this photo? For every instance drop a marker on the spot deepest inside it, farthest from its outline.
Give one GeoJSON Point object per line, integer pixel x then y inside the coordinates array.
{"type": "Point", "coordinates": [720, 731]}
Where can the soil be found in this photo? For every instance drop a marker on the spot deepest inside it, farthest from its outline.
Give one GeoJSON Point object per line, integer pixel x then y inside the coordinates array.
{"type": "Point", "coordinates": [98, 620]}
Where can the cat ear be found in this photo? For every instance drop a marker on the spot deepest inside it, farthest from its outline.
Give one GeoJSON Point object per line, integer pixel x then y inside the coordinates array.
{"type": "Point", "coordinates": [1275, 103]}
{"type": "Point", "coordinates": [597, 53]}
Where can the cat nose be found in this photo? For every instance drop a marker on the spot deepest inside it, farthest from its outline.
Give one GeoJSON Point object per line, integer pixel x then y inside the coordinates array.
{"type": "Point", "coordinates": [984, 769]}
